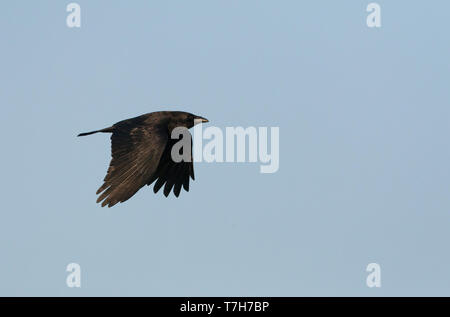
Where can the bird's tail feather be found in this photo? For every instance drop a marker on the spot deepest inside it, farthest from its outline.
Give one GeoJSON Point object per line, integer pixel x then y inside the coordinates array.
{"type": "Point", "coordinates": [110, 129]}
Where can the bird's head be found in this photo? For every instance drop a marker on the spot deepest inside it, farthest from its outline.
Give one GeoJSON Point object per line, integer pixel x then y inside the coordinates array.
{"type": "Point", "coordinates": [186, 119]}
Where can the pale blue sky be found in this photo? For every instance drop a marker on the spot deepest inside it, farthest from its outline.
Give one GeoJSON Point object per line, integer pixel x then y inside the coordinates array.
{"type": "Point", "coordinates": [364, 154]}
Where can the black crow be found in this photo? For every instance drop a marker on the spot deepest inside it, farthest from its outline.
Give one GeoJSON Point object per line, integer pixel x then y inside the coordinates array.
{"type": "Point", "coordinates": [141, 154]}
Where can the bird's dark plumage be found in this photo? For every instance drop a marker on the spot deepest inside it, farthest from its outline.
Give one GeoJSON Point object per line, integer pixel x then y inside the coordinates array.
{"type": "Point", "coordinates": [141, 154]}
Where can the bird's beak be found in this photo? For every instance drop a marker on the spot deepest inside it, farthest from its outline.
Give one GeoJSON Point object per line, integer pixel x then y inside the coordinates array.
{"type": "Point", "coordinates": [201, 120]}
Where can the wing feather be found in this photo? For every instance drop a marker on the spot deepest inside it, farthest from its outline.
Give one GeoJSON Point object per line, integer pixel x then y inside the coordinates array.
{"type": "Point", "coordinates": [170, 174]}
{"type": "Point", "coordinates": [136, 152]}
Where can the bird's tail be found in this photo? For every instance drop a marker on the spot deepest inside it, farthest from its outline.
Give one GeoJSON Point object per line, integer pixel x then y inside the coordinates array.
{"type": "Point", "coordinates": [105, 130]}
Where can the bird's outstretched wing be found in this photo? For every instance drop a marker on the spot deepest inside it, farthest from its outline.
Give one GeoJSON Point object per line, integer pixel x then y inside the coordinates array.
{"type": "Point", "coordinates": [136, 152]}
{"type": "Point", "coordinates": [172, 174]}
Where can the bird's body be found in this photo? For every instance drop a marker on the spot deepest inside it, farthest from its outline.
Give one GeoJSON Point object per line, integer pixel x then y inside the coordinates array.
{"type": "Point", "coordinates": [141, 154]}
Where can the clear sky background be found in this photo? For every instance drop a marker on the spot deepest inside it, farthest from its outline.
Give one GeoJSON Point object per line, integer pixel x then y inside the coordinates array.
{"type": "Point", "coordinates": [364, 147]}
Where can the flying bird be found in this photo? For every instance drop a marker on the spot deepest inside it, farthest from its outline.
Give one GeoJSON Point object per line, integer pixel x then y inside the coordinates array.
{"type": "Point", "coordinates": [141, 154]}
